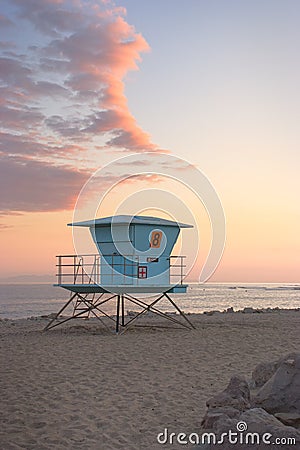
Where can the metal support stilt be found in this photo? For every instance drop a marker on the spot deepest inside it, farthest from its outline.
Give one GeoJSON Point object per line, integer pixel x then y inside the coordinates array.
{"type": "Point", "coordinates": [179, 310]}
{"type": "Point", "coordinates": [59, 313]}
{"type": "Point", "coordinates": [123, 310]}
{"type": "Point", "coordinates": [118, 314]}
{"type": "Point", "coordinates": [93, 306]}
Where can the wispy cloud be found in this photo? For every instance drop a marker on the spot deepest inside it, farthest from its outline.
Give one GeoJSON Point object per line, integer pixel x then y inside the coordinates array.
{"type": "Point", "coordinates": [5, 21]}
{"type": "Point", "coordinates": [62, 93]}
{"type": "Point", "coordinates": [29, 185]}
{"type": "Point", "coordinates": [89, 48]}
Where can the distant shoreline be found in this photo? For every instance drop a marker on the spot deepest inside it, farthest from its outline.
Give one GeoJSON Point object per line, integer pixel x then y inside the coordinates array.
{"type": "Point", "coordinates": [235, 284]}
{"type": "Point", "coordinates": [229, 311]}
{"type": "Point", "coordinates": [22, 300]}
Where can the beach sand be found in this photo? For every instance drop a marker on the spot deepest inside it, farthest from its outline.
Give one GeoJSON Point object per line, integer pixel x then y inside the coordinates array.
{"type": "Point", "coordinates": [78, 387]}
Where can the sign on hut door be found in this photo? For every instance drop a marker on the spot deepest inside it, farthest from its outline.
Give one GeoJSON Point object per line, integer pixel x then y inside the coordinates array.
{"type": "Point", "coordinates": [155, 239]}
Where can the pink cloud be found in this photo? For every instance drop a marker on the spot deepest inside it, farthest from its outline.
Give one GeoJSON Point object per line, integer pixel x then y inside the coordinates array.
{"type": "Point", "coordinates": [94, 59]}
{"type": "Point", "coordinates": [50, 16]}
{"type": "Point", "coordinates": [14, 73]}
{"type": "Point", "coordinates": [64, 91]}
{"type": "Point", "coordinates": [5, 21]}
{"type": "Point", "coordinates": [93, 48]}
{"type": "Point", "coordinates": [34, 186]}
{"type": "Point", "coordinates": [38, 186]}
{"type": "Point", "coordinates": [17, 118]}
{"type": "Point", "coordinates": [31, 147]}
{"type": "Point", "coordinates": [6, 45]}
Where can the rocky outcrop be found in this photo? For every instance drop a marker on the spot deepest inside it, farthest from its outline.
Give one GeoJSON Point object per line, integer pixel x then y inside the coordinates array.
{"type": "Point", "coordinates": [258, 429]}
{"type": "Point", "coordinates": [291, 419]}
{"type": "Point", "coordinates": [267, 418]}
{"type": "Point", "coordinates": [227, 404]}
{"type": "Point", "coordinates": [236, 395]}
{"type": "Point", "coordinates": [281, 393]}
{"type": "Point", "coordinates": [265, 370]}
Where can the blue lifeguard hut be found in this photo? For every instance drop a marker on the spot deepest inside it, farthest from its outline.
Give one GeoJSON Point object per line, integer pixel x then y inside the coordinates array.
{"type": "Point", "coordinates": [134, 257]}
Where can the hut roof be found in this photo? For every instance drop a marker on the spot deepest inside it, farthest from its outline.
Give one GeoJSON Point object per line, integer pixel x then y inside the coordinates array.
{"type": "Point", "coordinates": [127, 219]}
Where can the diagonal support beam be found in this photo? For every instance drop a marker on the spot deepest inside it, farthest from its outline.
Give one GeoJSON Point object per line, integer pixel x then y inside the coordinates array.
{"type": "Point", "coordinates": [48, 326]}
{"type": "Point", "coordinates": [92, 306]}
{"type": "Point", "coordinates": [179, 310]}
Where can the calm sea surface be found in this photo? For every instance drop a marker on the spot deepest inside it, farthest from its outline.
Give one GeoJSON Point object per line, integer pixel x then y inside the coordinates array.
{"type": "Point", "coordinates": [20, 301]}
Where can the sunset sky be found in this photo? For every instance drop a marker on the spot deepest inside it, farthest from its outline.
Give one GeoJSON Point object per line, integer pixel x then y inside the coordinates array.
{"type": "Point", "coordinates": [215, 83]}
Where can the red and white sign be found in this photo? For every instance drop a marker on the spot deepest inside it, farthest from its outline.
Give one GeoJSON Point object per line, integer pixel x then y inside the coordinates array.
{"type": "Point", "coordinates": [142, 271]}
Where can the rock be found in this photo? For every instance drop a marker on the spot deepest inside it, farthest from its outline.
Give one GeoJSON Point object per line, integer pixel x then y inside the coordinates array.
{"type": "Point", "coordinates": [274, 414]}
{"type": "Point", "coordinates": [215, 414]}
{"type": "Point", "coordinates": [236, 395]}
{"type": "Point", "coordinates": [228, 404]}
{"type": "Point", "coordinates": [230, 310]}
{"type": "Point", "coordinates": [212, 417]}
{"type": "Point", "coordinates": [202, 447]}
{"type": "Point", "coordinates": [209, 313]}
{"type": "Point", "coordinates": [248, 310]}
{"type": "Point", "coordinates": [281, 393]}
{"type": "Point", "coordinates": [291, 419]}
{"type": "Point", "coordinates": [254, 424]}
{"type": "Point", "coordinates": [48, 316]}
{"type": "Point", "coordinates": [258, 421]}
{"type": "Point", "coordinates": [264, 371]}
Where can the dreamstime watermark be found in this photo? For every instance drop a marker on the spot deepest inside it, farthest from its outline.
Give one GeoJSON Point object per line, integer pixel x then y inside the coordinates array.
{"type": "Point", "coordinates": [240, 436]}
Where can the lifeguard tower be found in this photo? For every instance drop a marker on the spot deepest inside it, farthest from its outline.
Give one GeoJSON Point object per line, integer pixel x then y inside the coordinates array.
{"type": "Point", "coordinates": [134, 257]}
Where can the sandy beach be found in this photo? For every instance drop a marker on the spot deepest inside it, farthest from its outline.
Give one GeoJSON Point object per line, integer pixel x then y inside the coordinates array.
{"type": "Point", "coordinates": [78, 387]}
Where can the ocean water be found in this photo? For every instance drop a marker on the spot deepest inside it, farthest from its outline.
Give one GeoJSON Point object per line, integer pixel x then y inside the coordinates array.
{"type": "Point", "coordinates": [21, 301]}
